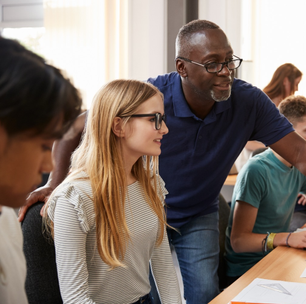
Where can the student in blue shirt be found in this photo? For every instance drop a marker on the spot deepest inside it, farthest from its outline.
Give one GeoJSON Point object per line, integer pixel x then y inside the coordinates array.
{"type": "Point", "coordinates": [211, 116]}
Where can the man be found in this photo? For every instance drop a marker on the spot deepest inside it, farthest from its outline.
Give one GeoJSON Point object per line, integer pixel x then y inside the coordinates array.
{"type": "Point", "coordinates": [37, 105]}
{"type": "Point", "coordinates": [263, 200]}
{"type": "Point", "coordinates": [210, 117]}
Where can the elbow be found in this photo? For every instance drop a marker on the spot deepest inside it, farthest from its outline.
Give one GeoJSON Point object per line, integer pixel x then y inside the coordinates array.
{"type": "Point", "coordinates": [236, 244]}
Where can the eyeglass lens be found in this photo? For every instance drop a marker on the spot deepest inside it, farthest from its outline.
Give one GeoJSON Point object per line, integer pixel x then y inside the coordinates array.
{"type": "Point", "coordinates": [158, 120]}
{"type": "Point", "coordinates": [217, 67]}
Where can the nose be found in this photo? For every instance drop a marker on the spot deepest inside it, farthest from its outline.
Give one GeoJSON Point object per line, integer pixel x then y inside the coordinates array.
{"type": "Point", "coordinates": [163, 129]}
{"type": "Point", "coordinates": [47, 162]}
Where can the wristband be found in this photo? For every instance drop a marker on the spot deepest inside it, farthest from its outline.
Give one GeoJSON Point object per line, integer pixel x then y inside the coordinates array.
{"type": "Point", "coordinates": [270, 241]}
{"type": "Point", "coordinates": [288, 239]}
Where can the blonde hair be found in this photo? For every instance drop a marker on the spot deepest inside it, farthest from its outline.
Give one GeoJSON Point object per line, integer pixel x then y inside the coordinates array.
{"type": "Point", "coordinates": [100, 156]}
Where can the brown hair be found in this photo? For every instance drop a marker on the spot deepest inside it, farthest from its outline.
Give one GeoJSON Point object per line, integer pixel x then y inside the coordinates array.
{"type": "Point", "coordinates": [275, 87]}
{"type": "Point", "coordinates": [293, 108]}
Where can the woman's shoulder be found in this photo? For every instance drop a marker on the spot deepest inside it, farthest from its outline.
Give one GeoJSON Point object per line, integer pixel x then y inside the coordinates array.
{"type": "Point", "coordinates": [77, 192]}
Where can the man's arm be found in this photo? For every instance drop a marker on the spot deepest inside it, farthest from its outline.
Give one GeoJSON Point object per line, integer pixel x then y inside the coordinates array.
{"type": "Point", "coordinates": [62, 150]}
{"type": "Point", "coordinates": [292, 148]}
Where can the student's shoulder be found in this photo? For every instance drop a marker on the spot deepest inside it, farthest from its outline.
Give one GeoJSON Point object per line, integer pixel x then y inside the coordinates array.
{"type": "Point", "coordinates": [256, 167]}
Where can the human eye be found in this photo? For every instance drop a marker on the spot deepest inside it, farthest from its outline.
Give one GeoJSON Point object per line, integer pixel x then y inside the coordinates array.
{"type": "Point", "coordinates": [47, 145]}
{"type": "Point", "coordinates": [152, 119]}
{"type": "Point", "coordinates": [212, 66]}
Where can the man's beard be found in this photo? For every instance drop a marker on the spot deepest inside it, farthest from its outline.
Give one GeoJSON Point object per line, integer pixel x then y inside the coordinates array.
{"type": "Point", "coordinates": [222, 97]}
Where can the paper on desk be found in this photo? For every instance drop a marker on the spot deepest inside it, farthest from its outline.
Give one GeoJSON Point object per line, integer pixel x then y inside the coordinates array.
{"type": "Point", "coordinates": [272, 291]}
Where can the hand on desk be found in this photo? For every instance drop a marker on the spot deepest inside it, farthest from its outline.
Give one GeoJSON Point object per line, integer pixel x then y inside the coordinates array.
{"type": "Point", "coordinates": [298, 239]}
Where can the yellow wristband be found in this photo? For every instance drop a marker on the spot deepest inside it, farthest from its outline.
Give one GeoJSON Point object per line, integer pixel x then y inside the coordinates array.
{"type": "Point", "coordinates": [270, 241]}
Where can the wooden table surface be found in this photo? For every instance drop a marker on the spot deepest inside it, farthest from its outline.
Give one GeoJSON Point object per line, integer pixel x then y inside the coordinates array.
{"type": "Point", "coordinates": [230, 180]}
{"type": "Point", "coordinates": [283, 263]}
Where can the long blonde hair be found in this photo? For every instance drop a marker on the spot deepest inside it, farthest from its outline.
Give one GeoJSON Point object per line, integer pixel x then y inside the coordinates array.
{"type": "Point", "coordinates": [100, 156]}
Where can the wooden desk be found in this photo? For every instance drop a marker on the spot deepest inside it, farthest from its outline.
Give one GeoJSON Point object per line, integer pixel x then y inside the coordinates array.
{"type": "Point", "coordinates": [231, 180]}
{"type": "Point", "coordinates": [283, 263]}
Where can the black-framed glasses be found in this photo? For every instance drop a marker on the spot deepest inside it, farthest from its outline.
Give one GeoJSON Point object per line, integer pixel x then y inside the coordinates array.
{"type": "Point", "coordinates": [158, 118]}
{"type": "Point", "coordinates": [216, 67]}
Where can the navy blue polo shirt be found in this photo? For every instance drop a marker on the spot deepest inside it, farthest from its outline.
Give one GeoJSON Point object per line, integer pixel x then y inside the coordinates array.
{"type": "Point", "coordinates": [197, 154]}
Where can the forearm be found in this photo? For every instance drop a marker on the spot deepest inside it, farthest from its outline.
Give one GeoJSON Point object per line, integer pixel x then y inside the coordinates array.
{"type": "Point", "coordinates": [247, 242]}
{"type": "Point", "coordinates": [292, 148]}
{"type": "Point", "coordinates": [62, 151]}
{"type": "Point", "coordinates": [251, 242]}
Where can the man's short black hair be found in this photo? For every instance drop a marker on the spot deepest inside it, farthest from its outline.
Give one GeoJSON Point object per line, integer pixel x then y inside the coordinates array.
{"type": "Point", "coordinates": [182, 45]}
{"type": "Point", "coordinates": [34, 96]}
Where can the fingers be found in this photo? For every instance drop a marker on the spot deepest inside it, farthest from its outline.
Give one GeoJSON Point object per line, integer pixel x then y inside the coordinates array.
{"type": "Point", "coordinates": [302, 199]}
{"type": "Point", "coordinates": [32, 199]}
{"type": "Point", "coordinates": [40, 194]}
{"type": "Point", "coordinates": [297, 239]}
{"type": "Point", "coordinates": [42, 210]}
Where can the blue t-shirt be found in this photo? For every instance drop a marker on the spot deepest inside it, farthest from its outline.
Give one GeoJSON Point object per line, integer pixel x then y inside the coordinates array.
{"type": "Point", "coordinates": [197, 154]}
{"type": "Point", "coordinates": [272, 187]}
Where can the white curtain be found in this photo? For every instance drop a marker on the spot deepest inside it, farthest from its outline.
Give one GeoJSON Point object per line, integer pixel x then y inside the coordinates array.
{"type": "Point", "coordinates": [88, 40]}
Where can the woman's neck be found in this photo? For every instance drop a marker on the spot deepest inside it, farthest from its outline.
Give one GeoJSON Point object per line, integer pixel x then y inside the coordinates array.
{"type": "Point", "coordinates": [277, 100]}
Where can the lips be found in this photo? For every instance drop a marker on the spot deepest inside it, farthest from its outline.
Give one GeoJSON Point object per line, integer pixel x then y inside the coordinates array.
{"type": "Point", "coordinates": [223, 86]}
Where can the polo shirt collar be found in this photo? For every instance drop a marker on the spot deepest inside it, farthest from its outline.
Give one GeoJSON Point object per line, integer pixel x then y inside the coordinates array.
{"type": "Point", "coordinates": [181, 108]}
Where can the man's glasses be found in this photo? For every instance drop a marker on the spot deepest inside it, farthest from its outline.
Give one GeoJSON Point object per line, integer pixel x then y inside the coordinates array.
{"type": "Point", "coordinates": [216, 67]}
{"type": "Point", "coordinates": [158, 118]}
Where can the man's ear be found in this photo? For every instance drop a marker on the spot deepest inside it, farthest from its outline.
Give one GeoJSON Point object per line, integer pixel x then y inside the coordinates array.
{"type": "Point", "coordinates": [180, 67]}
{"type": "Point", "coordinates": [117, 127]}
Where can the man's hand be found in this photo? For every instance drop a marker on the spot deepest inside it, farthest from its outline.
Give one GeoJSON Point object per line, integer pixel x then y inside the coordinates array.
{"type": "Point", "coordinates": [40, 194]}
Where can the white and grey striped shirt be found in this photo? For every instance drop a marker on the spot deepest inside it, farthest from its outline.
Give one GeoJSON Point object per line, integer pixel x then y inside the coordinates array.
{"type": "Point", "coordinates": [83, 276]}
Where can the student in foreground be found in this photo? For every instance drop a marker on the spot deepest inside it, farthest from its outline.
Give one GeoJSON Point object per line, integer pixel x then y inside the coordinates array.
{"type": "Point", "coordinates": [263, 202]}
{"type": "Point", "coordinates": [37, 106]}
{"type": "Point", "coordinates": [108, 217]}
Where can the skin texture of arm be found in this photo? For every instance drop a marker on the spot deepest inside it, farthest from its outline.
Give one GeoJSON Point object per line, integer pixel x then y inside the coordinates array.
{"type": "Point", "coordinates": [244, 240]}
{"type": "Point", "coordinates": [292, 148]}
{"type": "Point", "coordinates": [61, 152]}
{"type": "Point", "coordinates": [253, 145]}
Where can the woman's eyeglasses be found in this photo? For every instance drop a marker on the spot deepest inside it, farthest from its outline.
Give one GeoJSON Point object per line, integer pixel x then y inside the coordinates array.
{"type": "Point", "coordinates": [158, 118]}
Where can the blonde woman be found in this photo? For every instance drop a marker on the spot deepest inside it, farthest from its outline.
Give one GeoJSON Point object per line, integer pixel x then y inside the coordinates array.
{"type": "Point", "coordinates": [108, 216]}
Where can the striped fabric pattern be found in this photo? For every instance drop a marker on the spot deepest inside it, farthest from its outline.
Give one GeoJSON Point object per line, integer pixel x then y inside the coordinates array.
{"type": "Point", "coordinates": [83, 276]}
